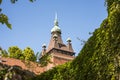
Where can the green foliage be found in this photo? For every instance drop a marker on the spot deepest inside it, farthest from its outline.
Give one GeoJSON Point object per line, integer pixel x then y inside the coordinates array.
{"type": "Point", "coordinates": [60, 72]}
{"type": "Point", "coordinates": [2, 73]}
{"type": "Point", "coordinates": [14, 73]}
{"type": "Point", "coordinates": [4, 53]}
{"type": "Point", "coordinates": [32, 0]}
{"type": "Point", "coordinates": [15, 52]}
{"type": "Point", "coordinates": [14, 1]}
{"type": "Point", "coordinates": [29, 54]}
{"type": "Point", "coordinates": [4, 20]}
{"type": "Point", "coordinates": [0, 1]}
{"type": "Point", "coordinates": [109, 3]}
{"type": "Point", "coordinates": [100, 57]}
{"type": "Point", "coordinates": [44, 60]}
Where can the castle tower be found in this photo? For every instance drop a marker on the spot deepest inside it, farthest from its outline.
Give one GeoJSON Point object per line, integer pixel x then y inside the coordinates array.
{"type": "Point", "coordinates": [60, 52]}
{"type": "Point", "coordinates": [55, 35]}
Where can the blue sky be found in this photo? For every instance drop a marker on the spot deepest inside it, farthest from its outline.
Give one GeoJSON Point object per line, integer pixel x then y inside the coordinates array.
{"type": "Point", "coordinates": [32, 22]}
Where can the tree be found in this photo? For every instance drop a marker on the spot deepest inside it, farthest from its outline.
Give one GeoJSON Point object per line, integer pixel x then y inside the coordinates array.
{"type": "Point", "coordinates": [15, 52]}
{"type": "Point", "coordinates": [29, 54]}
{"type": "Point", "coordinates": [45, 60]}
{"type": "Point", "coordinates": [4, 53]}
{"type": "Point", "coordinates": [4, 18]}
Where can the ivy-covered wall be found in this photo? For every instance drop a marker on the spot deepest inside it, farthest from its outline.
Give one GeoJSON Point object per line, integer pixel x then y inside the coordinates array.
{"type": "Point", "coordinates": [99, 58]}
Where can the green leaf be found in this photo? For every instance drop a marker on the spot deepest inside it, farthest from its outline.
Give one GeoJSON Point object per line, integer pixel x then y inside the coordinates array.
{"type": "Point", "coordinates": [0, 9]}
{"type": "Point", "coordinates": [9, 25]}
{"type": "Point", "coordinates": [4, 20]}
{"type": "Point", "coordinates": [32, 0]}
{"type": "Point", "coordinates": [13, 1]}
{"type": "Point", "coordinates": [0, 1]}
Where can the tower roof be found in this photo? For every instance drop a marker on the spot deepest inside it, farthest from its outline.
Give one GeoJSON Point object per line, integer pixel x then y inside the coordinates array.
{"type": "Point", "coordinates": [44, 45]}
{"type": "Point", "coordinates": [56, 42]}
{"type": "Point", "coordinates": [56, 26]}
{"type": "Point", "coordinates": [68, 39]}
{"type": "Point", "coordinates": [55, 29]}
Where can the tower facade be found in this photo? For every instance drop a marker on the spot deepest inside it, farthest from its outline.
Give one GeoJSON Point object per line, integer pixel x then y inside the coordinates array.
{"type": "Point", "coordinates": [60, 52]}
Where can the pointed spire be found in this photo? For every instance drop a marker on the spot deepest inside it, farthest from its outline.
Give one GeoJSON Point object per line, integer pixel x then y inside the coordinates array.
{"type": "Point", "coordinates": [56, 26]}
{"type": "Point", "coordinates": [56, 20]}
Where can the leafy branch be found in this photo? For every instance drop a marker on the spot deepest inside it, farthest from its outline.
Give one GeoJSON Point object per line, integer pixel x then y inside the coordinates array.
{"type": "Point", "coordinates": [45, 60]}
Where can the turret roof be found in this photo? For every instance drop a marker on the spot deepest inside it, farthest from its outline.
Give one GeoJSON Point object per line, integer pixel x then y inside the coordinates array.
{"type": "Point", "coordinates": [56, 26]}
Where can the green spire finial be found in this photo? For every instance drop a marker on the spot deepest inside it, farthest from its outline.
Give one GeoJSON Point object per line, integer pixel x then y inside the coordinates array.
{"type": "Point", "coordinates": [56, 26]}
{"type": "Point", "coordinates": [56, 20]}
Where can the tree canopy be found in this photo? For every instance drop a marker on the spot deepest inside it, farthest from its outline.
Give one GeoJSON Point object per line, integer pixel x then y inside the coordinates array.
{"type": "Point", "coordinates": [15, 52]}
{"type": "Point", "coordinates": [29, 54]}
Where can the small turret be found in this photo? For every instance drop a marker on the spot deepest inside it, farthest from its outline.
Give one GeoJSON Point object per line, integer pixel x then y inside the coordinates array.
{"type": "Point", "coordinates": [69, 45]}
{"type": "Point", "coordinates": [44, 49]}
{"type": "Point", "coordinates": [68, 40]}
{"type": "Point", "coordinates": [44, 46]}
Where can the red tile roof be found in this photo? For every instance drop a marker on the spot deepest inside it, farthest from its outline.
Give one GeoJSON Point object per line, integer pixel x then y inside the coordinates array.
{"type": "Point", "coordinates": [31, 66]}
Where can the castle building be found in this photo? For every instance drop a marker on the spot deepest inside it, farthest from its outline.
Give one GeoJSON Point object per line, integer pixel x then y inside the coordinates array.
{"type": "Point", "coordinates": [60, 52]}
